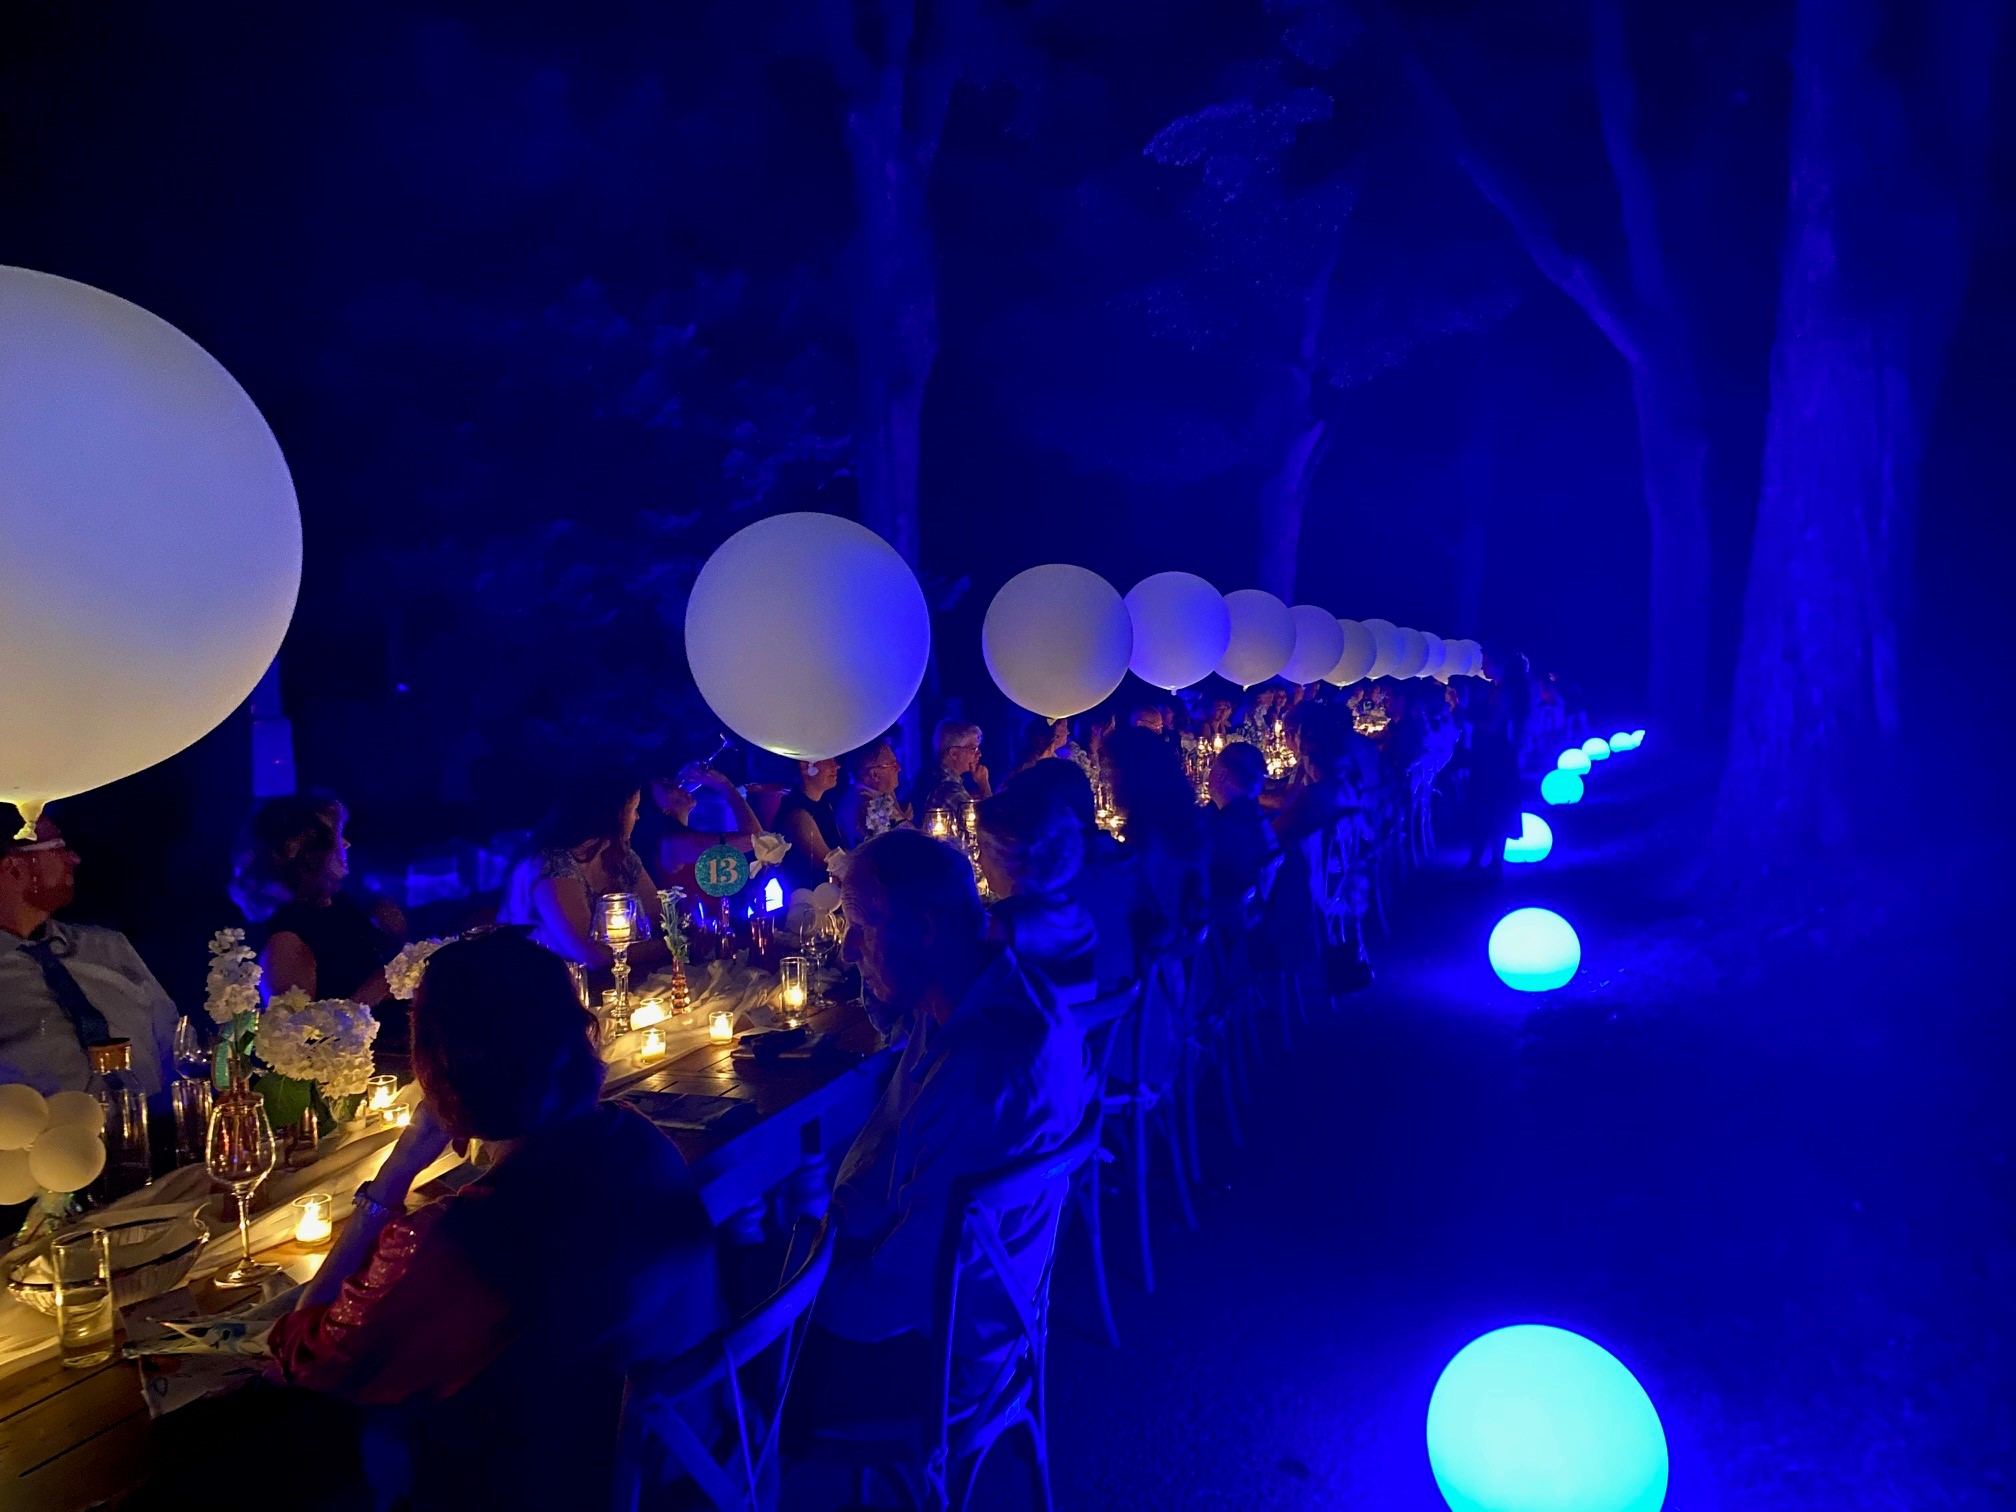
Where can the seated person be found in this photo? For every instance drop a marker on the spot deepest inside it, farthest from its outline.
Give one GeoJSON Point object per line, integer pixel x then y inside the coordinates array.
{"type": "Point", "coordinates": [1108, 880]}
{"type": "Point", "coordinates": [482, 1318]}
{"type": "Point", "coordinates": [1241, 839]}
{"type": "Point", "coordinates": [581, 852]}
{"type": "Point", "coordinates": [992, 1069]}
{"type": "Point", "coordinates": [869, 806]}
{"type": "Point", "coordinates": [701, 810]}
{"type": "Point", "coordinates": [1030, 853]}
{"type": "Point", "coordinates": [957, 774]}
{"type": "Point", "coordinates": [311, 935]}
{"type": "Point", "coordinates": [64, 987]}
{"type": "Point", "coordinates": [1041, 739]}
{"type": "Point", "coordinates": [806, 819]}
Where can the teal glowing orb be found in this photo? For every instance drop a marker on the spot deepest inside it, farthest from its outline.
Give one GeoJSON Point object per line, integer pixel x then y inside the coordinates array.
{"type": "Point", "coordinates": [1534, 950]}
{"type": "Point", "coordinates": [1637, 739]}
{"type": "Point", "coordinates": [1535, 840]}
{"type": "Point", "coordinates": [1538, 1419]}
{"type": "Point", "coordinates": [1621, 741]}
{"type": "Point", "coordinates": [1572, 760]}
{"type": "Point", "coordinates": [1596, 748]}
{"type": "Point", "coordinates": [1561, 787]}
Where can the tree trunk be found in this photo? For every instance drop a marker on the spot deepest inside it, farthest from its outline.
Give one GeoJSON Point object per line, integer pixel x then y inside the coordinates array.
{"type": "Point", "coordinates": [1872, 261]}
{"type": "Point", "coordinates": [895, 309]}
{"type": "Point", "coordinates": [1281, 501]}
{"type": "Point", "coordinates": [1672, 460]}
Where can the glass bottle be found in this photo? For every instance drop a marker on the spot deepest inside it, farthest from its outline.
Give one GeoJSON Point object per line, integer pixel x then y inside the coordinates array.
{"type": "Point", "coordinates": [129, 1160]}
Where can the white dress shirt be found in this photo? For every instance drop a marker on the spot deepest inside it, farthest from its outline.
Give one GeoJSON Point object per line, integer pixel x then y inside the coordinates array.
{"type": "Point", "coordinates": [38, 1044]}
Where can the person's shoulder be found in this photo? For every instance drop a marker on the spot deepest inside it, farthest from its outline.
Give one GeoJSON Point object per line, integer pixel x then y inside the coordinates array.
{"type": "Point", "coordinates": [98, 940]}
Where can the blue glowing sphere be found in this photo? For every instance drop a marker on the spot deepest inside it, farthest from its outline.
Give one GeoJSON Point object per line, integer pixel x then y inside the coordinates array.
{"type": "Point", "coordinates": [1596, 748]}
{"type": "Point", "coordinates": [1534, 950]}
{"type": "Point", "coordinates": [1561, 787]}
{"type": "Point", "coordinates": [1637, 739]}
{"type": "Point", "coordinates": [1535, 839]}
{"type": "Point", "coordinates": [1621, 741]}
{"type": "Point", "coordinates": [1572, 760]}
{"type": "Point", "coordinates": [1538, 1419]}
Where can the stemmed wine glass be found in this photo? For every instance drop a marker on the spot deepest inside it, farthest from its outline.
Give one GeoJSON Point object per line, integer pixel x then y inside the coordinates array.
{"type": "Point", "coordinates": [241, 1154]}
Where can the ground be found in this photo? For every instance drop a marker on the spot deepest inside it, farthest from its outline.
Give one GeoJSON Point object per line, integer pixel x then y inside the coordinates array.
{"type": "Point", "coordinates": [1759, 1149]}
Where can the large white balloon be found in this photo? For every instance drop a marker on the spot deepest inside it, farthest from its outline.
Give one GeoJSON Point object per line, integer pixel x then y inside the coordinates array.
{"type": "Point", "coordinates": [1413, 654]}
{"type": "Point", "coordinates": [807, 635]}
{"type": "Point", "coordinates": [1263, 637]}
{"type": "Point", "coordinates": [1181, 629]}
{"type": "Point", "coordinates": [1057, 639]}
{"type": "Point", "coordinates": [1438, 654]}
{"type": "Point", "coordinates": [67, 1159]}
{"type": "Point", "coordinates": [1360, 651]}
{"type": "Point", "coordinates": [1386, 643]}
{"type": "Point", "coordinates": [1319, 641]}
{"type": "Point", "coordinates": [150, 544]}
{"type": "Point", "coordinates": [23, 1115]}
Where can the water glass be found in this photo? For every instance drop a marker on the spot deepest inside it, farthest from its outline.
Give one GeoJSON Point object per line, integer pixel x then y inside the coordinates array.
{"type": "Point", "coordinates": [81, 1265]}
{"type": "Point", "coordinates": [190, 1099]}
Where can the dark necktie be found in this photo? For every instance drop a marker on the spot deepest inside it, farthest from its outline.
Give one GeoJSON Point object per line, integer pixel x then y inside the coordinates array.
{"type": "Point", "coordinates": [86, 1020]}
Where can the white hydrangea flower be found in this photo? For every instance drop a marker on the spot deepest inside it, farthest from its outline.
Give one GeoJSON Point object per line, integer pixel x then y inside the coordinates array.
{"type": "Point", "coordinates": [327, 1042]}
{"type": "Point", "coordinates": [403, 972]}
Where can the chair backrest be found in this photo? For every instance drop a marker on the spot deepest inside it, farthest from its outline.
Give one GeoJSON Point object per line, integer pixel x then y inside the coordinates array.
{"type": "Point", "coordinates": [721, 1366]}
{"type": "Point", "coordinates": [973, 1225]}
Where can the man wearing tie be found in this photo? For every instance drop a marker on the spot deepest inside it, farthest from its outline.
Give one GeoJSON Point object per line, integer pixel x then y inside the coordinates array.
{"type": "Point", "coordinates": [65, 987]}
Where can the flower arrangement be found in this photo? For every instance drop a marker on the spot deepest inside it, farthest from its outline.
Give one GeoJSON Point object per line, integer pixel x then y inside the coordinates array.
{"type": "Point", "coordinates": [326, 1041]}
{"type": "Point", "coordinates": [231, 988]}
{"type": "Point", "coordinates": [404, 970]}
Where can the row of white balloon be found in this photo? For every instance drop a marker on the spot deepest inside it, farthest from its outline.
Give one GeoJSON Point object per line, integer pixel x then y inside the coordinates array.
{"type": "Point", "coordinates": [1058, 639]}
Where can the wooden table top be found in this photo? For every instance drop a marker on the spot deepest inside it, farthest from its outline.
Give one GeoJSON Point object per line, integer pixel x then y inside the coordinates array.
{"type": "Point", "coordinates": [72, 1438]}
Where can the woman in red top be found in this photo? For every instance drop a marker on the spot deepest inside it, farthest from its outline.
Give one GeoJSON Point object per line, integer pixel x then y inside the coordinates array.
{"type": "Point", "coordinates": [500, 1321]}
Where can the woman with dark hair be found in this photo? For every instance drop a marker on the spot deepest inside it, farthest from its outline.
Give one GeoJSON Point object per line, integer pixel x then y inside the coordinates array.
{"type": "Point", "coordinates": [701, 808]}
{"type": "Point", "coordinates": [500, 1326]}
{"type": "Point", "coordinates": [289, 882]}
{"type": "Point", "coordinates": [580, 852]}
{"type": "Point", "coordinates": [1163, 830]}
{"type": "Point", "coordinates": [1031, 850]}
{"type": "Point", "coordinates": [806, 819]}
{"type": "Point", "coordinates": [1040, 740]}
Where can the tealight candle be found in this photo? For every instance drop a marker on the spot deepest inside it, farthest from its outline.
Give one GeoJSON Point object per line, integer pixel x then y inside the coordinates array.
{"type": "Point", "coordinates": [938, 822]}
{"type": "Point", "coordinates": [401, 1116]}
{"type": "Point", "coordinates": [645, 1014]}
{"type": "Point", "coordinates": [721, 1025]}
{"type": "Point", "coordinates": [312, 1223]}
{"type": "Point", "coordinates": [654, 1044]}
{"type": "Point", "coordinates": [794, 971]}
{"type": "Point", "coordinates": [378, 1094]}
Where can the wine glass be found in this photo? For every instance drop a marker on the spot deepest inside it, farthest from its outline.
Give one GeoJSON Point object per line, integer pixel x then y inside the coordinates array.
{"type": "Point", "coordinates": [191, 1058]}
{"type": "Point", "coordinates": [241, 1154]}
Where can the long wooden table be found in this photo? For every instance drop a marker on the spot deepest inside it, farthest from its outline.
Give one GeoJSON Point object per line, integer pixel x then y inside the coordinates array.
{"type": "Point", "coordinates": [70, 1438]}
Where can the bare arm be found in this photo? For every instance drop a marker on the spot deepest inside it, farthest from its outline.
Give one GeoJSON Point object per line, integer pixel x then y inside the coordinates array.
{"type": "Point", "coordinates": [563, 911]}
{"type": "Point", "coordinates": [800, 830]}
{"type": "Point", "coordinates": [288, 963]}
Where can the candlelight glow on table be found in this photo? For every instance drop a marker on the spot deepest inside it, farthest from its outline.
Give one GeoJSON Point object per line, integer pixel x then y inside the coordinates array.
{"type": "Point", "coordinates": [1538, 1419]}
{"type": "Point", "coordinates": [795, 972]}
{"type": "Point", "coordinates": [654, 1044]}
{"type": "Point", "coordinates": [313, 1218]}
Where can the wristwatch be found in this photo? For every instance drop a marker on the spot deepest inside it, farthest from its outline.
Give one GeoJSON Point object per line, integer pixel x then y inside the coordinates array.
{"type": "Point", "coordinates": [370, 1206]}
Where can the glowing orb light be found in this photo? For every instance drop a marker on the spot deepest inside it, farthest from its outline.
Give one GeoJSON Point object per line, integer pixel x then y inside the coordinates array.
{"type": "Point", "coordinates": [1538, 1419]}
{"type": "Point", "coordinates": [1534, 950]}
{"type": "Point", "coordinates": [1621, 741]}
{"type": "Point", "coordinates": [1535, 840]}
{"type": "Point", "coordinates": [1637, 739]}
{"type": "Point", "coordinates": [1596, 748]}
{"type": "Point", "coordinates": [1560, 786]}
{"type": "Point", "coordinates": [1572, 760]}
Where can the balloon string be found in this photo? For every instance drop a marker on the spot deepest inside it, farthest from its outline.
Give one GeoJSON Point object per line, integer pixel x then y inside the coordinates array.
{"type": "Point", "coordinates": [31, 810]}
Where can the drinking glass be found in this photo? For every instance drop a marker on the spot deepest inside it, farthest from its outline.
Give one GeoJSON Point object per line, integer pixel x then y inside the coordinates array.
{"type": "Point", "coordinates": [81, 1265]}
{"type": "Point", "coordinates": [191, 1100]}
{"type": "Point", "coordinates": [192, 1059]}
{"type": "Point", "coordinates": [241, 1155]}
{"type": "Point", "coordinates": [794, 976]}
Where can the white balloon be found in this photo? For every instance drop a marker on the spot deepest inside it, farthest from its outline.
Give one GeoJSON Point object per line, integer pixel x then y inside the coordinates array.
{"type": "Point", "coordinates": [1438, 654]}
{"type": "Point", "coordinates": [80, 1108]}
{"type": "Point", "coordinates": [1413, 654]}
{"type": "Point", "coordinates": [150, 544]}
{"type": "Point", "coordinates": [1057, 639]}
{"type": "Point", "coordinates": [1319, 641]}
{"type": "Point", "coordinates": [807, 635]}
{"type": "Point", "coordinates": [1181, 629]}
{"type": "Point", "coordinates": [67, 1158]}
{"type": "Point", "coordinates": [1263, 637]}
{"type": "Point", "coordinates": [1473, 659]}
{"type": "Point", "coordinates": [17, 1183]}
{"type": "Point", "coordinates": [23, 1115]}
{"type": "Point", "coordinates": [1386, 642]}
{"type": "Point", "coordinates": [1360, 651]}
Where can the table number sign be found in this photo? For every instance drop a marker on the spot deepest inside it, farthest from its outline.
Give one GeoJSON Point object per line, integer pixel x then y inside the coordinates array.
{"type": "Point", "coordinates": [721, 871]}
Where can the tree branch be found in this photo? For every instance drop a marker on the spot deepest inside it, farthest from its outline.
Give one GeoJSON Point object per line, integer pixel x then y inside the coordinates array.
{"type": "Point", "coordinates": [1617, 104]}
{"type": "Point", "coordinates": [1609, 308]}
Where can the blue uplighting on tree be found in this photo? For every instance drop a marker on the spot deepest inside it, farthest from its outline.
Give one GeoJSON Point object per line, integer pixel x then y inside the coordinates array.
{"type": "Point", "coordinates": [1538, 1419]}
{"type": "Point", "coordinates": [1559, 787]}
{"type": "Point", "coordinates": [1534, 950]}
{"type": "Point", "coordinates": [1535, 840]}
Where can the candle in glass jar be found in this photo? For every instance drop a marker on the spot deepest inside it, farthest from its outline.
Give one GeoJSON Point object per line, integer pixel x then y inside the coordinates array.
{"type": "Point", "coordinates": [721, 1025]}
{"type": "Point", "coordinates": [312, 1224]}
{"type": "Point", "coordinates": [654, 1044]}
{"type": "Point", "coordinates": [939, 823]}
{"type": "Point", "coordinates": [378, 1094]}
{"type": "Point", "coordinates": [794, 971]}
{"type": "Point", "coordinates": [401, 1116]}
{"type": "Point", "coordinates": [645, 1014]}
